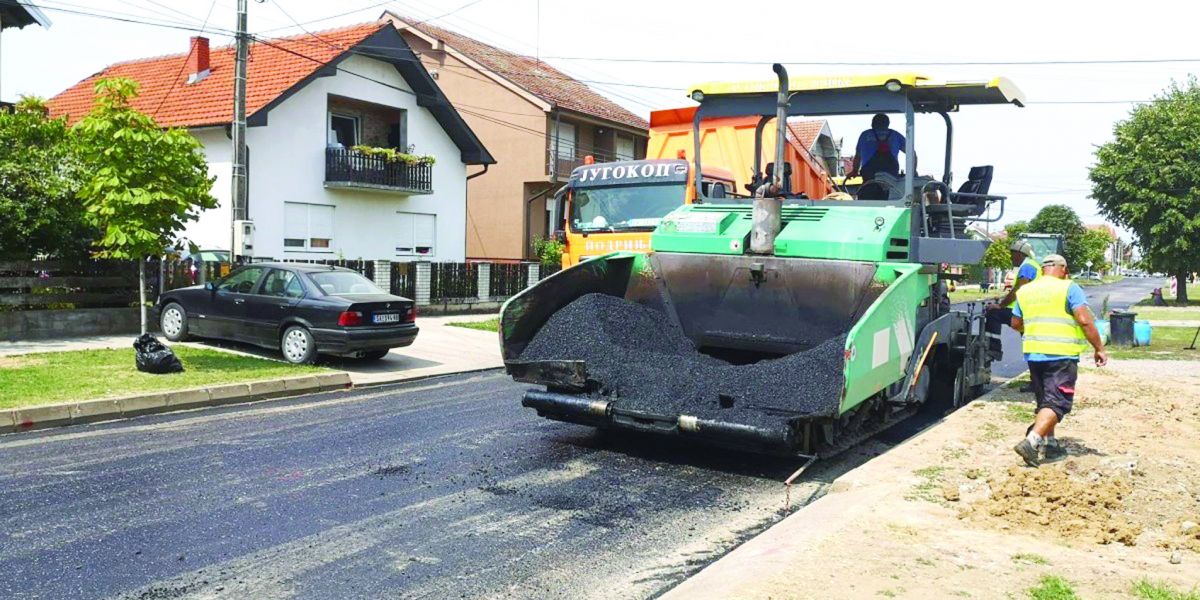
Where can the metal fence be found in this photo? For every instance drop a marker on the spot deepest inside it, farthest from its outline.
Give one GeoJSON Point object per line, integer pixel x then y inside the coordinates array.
{"type": "Point", "coordinates": [365, 267]}
{"type": "Point", "coordinates": [350, 167]}
{"type": "Point", "coordinates": [403, 279]}
{"type": "Point", "coordinates": [508, 278]}
{"type": "Point", "coordinates": [52, 284]}
{"type": "Point", "coordinates": [450, 281]}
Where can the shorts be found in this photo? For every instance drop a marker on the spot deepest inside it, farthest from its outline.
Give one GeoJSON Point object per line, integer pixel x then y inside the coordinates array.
{"type": "Point", "coordinates": [1054, 384]}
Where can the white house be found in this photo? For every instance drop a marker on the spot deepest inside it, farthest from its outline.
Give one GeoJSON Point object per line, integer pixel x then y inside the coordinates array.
{"type": "Point", "coordinates": [311, 100]}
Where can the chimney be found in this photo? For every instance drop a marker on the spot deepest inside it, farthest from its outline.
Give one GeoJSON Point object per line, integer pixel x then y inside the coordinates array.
{"type": "Point", "coordinates": [197, 60]}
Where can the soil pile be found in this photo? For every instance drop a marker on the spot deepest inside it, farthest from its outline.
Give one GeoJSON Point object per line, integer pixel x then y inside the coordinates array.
{"type": "Point", "coordinates": [1048, 498]}
{"type": "Point", "coordinates": [639, 357]}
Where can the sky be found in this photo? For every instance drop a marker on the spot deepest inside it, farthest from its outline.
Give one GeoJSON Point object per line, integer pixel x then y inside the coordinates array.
{"type": "Point", "coordinates": [1041, 152]}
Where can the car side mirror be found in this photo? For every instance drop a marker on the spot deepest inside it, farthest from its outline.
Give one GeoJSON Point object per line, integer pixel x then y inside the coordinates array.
{"type": "Point", "coordinates": [560, 236]}
{"type": "Point", "coordinates": [210, 286]}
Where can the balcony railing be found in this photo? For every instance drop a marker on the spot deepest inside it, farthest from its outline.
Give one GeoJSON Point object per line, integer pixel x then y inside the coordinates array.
{"type": "Point", "coordinates": [561, 163]}
{"type": "Point", "coordinates": [349, 168]}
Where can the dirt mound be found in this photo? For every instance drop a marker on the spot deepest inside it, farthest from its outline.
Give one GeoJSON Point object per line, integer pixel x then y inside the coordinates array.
{"type": "Point", "coordinates": [1182, 534]}
{"type": "Point", "coordinates": [1048, 498]}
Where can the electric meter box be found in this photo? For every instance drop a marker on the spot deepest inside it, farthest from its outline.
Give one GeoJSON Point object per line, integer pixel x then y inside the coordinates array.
{"type": "Point", "coordinates": [243, 238]}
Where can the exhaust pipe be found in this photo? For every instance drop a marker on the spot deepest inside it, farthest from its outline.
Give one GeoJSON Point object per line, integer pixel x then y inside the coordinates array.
{"type": "Point", "coordinates": [766, 219]}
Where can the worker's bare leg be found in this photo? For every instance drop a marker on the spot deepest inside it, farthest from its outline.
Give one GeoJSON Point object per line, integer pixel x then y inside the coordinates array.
{"type": "Point", "coordinates": [1044, 423]}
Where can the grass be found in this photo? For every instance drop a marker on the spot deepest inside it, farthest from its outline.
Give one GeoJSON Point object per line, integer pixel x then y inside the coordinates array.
{"type": "Point", "coordinates": [1166, 343]}
{"type": "Point", "coordinates": [991, 432]}
{"type": "Point", "coordinates": [929, 488]}
{"type": "Point", "coordinates": [974, 295]}
{"type": "Point", "coordinates": [45, 378]}
{"type": "Point", "coordinates": [1193, 291]}
{"type": "Point", "coordinates": [1053, 587]}
{"type": "Point", "coordinates": [1152, 590]}
{"type": "Point", "coordinates": [488, 325]}
{"type": "Point", "coordinates": [1018, 412]}
{"type": "Point", "coordinates": [1031, 558]}
{"type": "Point", "coordinates": [1146, 313]}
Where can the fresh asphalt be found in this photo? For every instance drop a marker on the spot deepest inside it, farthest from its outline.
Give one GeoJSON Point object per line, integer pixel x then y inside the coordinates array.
{"type": "Point", "coordinates": [443, 488]}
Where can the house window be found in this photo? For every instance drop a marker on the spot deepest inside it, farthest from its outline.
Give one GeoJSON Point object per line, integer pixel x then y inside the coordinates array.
{"type": "Point", "coordinates": [624, 147]}
{"type": "Point", "coordinates": [307, 227]}
{"type": "Point", "coordinates": [416, 234]}
{"type": "Point", "coordinates": [565, 144]}
{"type": "Point", "coordinates": [343, 129]}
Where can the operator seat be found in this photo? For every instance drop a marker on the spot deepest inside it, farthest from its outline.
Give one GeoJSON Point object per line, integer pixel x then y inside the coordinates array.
{"type": "Point", "coordinates": [969, 201]}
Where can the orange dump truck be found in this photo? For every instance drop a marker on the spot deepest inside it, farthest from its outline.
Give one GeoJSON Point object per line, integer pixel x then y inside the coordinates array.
{"type": "Point", "coordinates": [609, 207]}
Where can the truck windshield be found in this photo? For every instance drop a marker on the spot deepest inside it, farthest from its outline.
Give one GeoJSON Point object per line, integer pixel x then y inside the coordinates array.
{"type": "Point", "coordinates": [624, 208]}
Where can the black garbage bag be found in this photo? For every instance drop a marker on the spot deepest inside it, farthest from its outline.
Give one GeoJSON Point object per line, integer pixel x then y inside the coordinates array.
{"type": "Point", "coordinates": [154, 357]}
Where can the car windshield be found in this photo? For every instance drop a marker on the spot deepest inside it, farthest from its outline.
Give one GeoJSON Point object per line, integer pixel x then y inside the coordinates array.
{"type": "Point", "coordinates": [212, 256]}
{"type": "Point", "coordinates": [340, 283]}
{"type": "Point", "coordinates": [623, 208]}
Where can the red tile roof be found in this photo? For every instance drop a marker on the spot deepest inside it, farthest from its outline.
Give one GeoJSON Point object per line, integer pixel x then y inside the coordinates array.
{"type": "Point", "coordinates": [806, 132]}
{"type": "Point", "coordinates": [166, 95]}
{"type": "Point", "coordinates": [534, 76]}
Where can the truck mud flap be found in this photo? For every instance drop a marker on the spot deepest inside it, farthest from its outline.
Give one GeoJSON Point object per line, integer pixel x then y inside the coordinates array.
{"type": "Point", "coordinates": [778, 439]}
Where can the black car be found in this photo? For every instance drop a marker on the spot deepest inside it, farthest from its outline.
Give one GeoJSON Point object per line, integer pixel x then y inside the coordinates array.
{"type": "Point", "coordinates": [302, 309]}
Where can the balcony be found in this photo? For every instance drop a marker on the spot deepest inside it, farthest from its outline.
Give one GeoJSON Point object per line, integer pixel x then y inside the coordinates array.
{"type": "Point", "coordinates": [561, 162]}
{"type": "Point", "coordinates": [349, 168]}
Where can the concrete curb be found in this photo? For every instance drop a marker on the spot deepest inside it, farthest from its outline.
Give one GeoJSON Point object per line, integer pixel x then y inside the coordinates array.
{"type": "Point", "coordinates": [89, 411]}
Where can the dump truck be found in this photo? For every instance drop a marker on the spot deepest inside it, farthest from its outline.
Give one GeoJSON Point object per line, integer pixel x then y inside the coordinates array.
{"type": "Point", "coordinates": [786, 326]}
{"type": "Point", "coordinates": [613, 206]}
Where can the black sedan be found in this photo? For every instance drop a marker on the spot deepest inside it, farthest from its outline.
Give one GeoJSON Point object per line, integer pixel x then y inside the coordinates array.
{"type": "Point", "coordinates": [302, 309]}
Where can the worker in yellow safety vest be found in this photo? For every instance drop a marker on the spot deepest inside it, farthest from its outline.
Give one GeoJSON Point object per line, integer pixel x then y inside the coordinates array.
{"type": "Point", "coordinates": [1053, 314]}
{"type": "Point", "coordinates": [1000, 314]}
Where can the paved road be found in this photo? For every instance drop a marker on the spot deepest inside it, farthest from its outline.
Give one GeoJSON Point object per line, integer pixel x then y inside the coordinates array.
{"type": "Point", "coordinates": [441, 489]}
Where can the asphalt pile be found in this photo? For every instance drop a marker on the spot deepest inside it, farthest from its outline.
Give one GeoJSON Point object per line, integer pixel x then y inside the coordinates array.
{"type": "Point", "coordinates": [641, 359]}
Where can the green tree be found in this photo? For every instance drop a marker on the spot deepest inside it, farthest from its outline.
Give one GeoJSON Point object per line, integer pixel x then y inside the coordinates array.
{"type": "Point", "coordinates": [1147, 179]}
{"type": "Point", "coordinates": [998, 255]}
{"type": "Point", "coordinates": [39, 177]}
{"type": "Point", "coordinates": [144, 183]}
{"type": "Point", "coordinates": [1061, 219]}
{"type": "Point", "coordinates": [1092, 245]}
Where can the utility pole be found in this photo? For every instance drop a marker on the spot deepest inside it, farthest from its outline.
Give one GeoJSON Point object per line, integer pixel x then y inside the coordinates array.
{"type": "Point", "coordinates": [238, 129]}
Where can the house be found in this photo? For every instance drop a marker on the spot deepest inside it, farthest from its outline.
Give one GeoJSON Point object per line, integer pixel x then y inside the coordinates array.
{"type": "Point", "coordinates": [19, 14]}
{"type": "Point", "coordinates": [538, 121]}
{"type": "Point", "coordinates": [318, 107]}
{"type": "Point", "coordinates": [815, 137]}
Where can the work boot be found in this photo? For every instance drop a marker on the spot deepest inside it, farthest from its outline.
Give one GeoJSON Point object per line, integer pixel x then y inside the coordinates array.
{"type": "Point", "coordinates": [1027, 452]}
{"type": "Point", "coordinates": [1053, 453]}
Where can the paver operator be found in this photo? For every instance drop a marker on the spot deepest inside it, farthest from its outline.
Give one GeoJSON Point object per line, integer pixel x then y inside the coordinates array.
{"type": "Point", "coordinates": [878, 150]}
{"type": "Point", "coordinates": [1000, 313]}
{"type": "Point", "coordinates": [1053, 314]}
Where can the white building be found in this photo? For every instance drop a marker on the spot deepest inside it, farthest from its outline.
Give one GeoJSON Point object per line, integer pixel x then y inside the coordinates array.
{"type": "Point", "coordinates": [310, 100]}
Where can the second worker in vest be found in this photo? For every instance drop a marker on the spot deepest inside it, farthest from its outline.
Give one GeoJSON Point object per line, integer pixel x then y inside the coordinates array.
{"type": "Point", "coordinates": [1053, 314]}
{"type": "Point", "coordinates": [1000, 313]}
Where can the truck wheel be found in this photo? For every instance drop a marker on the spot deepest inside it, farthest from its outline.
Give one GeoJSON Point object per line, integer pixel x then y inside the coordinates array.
{"type": "Point", "coordinates": [948, 389]}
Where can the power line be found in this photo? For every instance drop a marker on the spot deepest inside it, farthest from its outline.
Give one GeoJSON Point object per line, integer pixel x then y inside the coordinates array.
{"type": "Point", "coordinates": [183, 66]}
{"type": "Point", "coordinates": [936, 63]}
{"type": "Point", "coordinates": [330, 17]}
{"type": "Point", "coordinates": [124, 18]}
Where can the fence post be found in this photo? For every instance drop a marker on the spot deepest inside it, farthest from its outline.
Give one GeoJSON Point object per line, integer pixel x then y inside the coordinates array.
{"type": "Point", "coordinates": [383, 274]}
{"type": "Point", "coordinates": [424, 272]}
{"type": "Point", "coordinates": [535, 274]}
{"type": "Point", "coordinates": [484, 274]}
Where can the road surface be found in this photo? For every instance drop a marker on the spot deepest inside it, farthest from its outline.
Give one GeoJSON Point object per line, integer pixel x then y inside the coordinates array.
{"type": "Point", "coordinates": [444, 488]}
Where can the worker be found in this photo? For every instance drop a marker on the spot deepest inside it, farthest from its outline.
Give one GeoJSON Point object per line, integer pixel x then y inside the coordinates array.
{"type": "Point", "coordinates": [1000, 314]}
{"type": "Point", "coordinates": [1053, 314]}
{"type": "Point", "coordinates": [878, 150]}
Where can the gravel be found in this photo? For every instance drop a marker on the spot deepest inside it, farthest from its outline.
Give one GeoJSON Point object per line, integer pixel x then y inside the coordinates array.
{"type": "Point", "coordinates": [645, 362]}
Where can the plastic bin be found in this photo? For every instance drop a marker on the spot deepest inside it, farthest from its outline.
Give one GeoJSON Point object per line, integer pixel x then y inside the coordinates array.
{"type": "Point", "coordinates": [1121, 328]}
{"type": "Point", "coordinates": [1102, 327]}
{"type": "Point", "coordinates": [1141, 332]}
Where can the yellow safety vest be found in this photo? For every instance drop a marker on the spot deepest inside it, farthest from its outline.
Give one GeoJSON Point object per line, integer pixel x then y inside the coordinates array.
{"type": "Point", "coordinates": [1049, 327]}
{"type": "Point", "coordinates": [1037, 269]}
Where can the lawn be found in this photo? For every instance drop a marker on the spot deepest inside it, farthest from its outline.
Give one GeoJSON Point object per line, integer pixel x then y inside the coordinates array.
{"type": "Point", "coordinates": [1162, 313]}
{"type": "Point", "coordinates": [1166, 343]}
{"type": "Point", "coordinates": [488, 325]}
{"type": "Point", "coordinates": [973, 295]}
{"type": "Point", "coordinates": [50, 377]}
{"type": "Point", "coordinates": [1193, 291]}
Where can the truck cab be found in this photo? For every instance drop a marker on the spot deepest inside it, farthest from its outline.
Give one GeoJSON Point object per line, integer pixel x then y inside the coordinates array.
{"type": "Point", "coordinates": [610, 207]}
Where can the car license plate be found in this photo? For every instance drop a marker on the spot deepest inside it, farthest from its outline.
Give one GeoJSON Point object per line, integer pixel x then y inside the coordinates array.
{"type": "Point", "coordinates": [388, 318]}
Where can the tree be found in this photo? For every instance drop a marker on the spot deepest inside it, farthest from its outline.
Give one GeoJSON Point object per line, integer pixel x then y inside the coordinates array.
{"type": "Point", "coordinates": [1092, 245]}
{"type": "Point", "coordinates": [1061, 219]}
{"type": "Point", "coordinates": [39, 176]}
{"type": "Point", "coordinates": [1147, 180]}
{"type": "Point", "coordinates": [144, 183]}
{"type": "Point", "coordinates": [998, 255]}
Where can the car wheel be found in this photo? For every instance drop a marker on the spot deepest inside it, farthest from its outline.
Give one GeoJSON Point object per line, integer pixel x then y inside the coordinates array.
{"type": "Point", "coordinates": [173, 322]}
{"type": "Point", "coordinates": [298, 345]}
{"type": "Point", "coordinates": [372, 355]}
